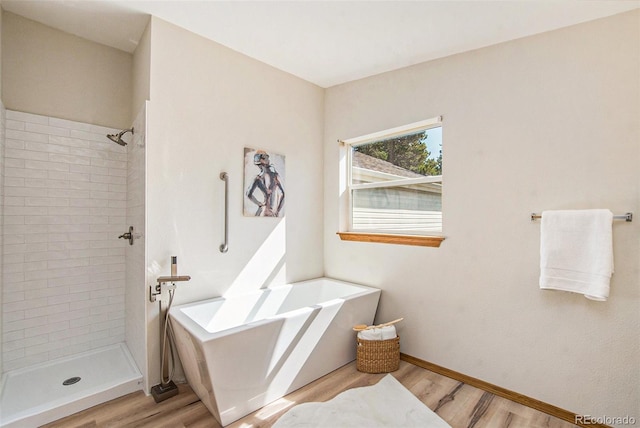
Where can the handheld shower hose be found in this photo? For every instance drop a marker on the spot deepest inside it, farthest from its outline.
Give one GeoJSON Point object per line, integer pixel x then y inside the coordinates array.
{"type": "Point", "coordinates": [167, 337]}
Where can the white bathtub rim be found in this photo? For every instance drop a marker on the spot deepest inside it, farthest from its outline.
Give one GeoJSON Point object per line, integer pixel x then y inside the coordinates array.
{"type": "Point", "coordinates": [72, 403]}
{"type": "Point", "coordinates": [202, 335]}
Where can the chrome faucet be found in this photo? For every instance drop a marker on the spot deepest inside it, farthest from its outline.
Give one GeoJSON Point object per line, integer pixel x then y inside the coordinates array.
{"type": "Point", "coordinates": [128, 235]}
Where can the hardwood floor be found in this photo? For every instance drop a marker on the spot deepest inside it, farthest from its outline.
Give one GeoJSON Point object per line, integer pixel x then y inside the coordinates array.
{"type": "Point", "coordinates": [461, 405]}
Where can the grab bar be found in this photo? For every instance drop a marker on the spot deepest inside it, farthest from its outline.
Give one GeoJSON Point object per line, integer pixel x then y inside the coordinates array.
{"type": "Point", "coordinates": [225, 246]}
{"type": "Point", "coordinates": [625, 216]}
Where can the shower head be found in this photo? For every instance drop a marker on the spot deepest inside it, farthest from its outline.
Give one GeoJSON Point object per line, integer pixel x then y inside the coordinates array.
{"type": "Point", "coordinates": [117, 138]}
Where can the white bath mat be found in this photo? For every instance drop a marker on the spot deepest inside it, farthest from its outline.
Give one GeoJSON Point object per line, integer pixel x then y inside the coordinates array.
{"type": "Point", "coordinates": [385, 404]}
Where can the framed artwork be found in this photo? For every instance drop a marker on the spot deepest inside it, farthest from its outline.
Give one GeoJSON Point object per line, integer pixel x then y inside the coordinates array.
{"type": "Point", "coordinates": [264, 183]}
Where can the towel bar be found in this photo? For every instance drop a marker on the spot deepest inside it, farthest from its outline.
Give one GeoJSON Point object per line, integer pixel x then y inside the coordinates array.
{"type": "Point", "coordinates": [625, 217]}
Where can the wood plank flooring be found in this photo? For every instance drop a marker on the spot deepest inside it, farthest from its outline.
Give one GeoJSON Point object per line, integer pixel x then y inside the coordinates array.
{"type": "Point", "coordinates": [461, 405]}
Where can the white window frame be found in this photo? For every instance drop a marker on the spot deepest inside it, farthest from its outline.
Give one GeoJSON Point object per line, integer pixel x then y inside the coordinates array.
{"type": "Point", "coordinates": [379, 136]}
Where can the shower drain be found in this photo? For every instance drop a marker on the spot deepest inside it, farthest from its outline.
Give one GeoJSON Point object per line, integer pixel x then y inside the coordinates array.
{"type": "Point", "coordinates": [71, 381]}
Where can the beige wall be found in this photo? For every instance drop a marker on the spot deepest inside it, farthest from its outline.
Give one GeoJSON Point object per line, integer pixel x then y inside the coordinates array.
{"type": "Point", "coordinates": [207, 104]}
{"type": "Point", "coordinates": [545, 122]}
{"type": "Point", "coordinates": [140, 69]}
{"type": "Point", "coordinates": [53, 73]}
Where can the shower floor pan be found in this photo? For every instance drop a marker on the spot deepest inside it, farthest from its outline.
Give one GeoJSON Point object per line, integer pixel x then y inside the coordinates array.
{"type": "Point", "coordinates": [33, 396]}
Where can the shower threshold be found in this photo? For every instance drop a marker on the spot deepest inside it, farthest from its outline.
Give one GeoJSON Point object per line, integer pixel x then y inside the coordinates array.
{"type": "Point", "coordinates": [39, 394]}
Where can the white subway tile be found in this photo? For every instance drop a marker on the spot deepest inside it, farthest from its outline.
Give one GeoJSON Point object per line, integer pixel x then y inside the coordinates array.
{"type": "Point", "coordinates": [45, 347]}
{"type": "Point", "coordinates": [47, 183]}
{"type": "Point", "coordinates": [25, 154]}
{"type": "Point", "coordinates": [12, 355]}
{"type": "Point", "coordinates": [46, 292]}
{"type": "Point", "coordinates": [15, 249]}
{"type": "Point", "coordinates": [23, 172]}
{"type": "Point", "coordinates": [109, 163]}
{"type": "Point", "coordinates": [89, 203]}
{"type": "Point", "coordinates": [24, 324]}
{"type": "Point", "coordinates": [77, 245]}
{"type": "Point", "coordinates": [32, 266]}
{"type": "Point", "coordinates": [69, 350]}
{"type": "Point", "coordinates": [69, 159]}
{"type": "Point", "coordinates": [21, 210]}
{"type": "Point", "coordinates": [82, 316]}
{"type": "Point", "coordinates": [71, 229]}
{"type": "Point", "coordinates": [46, 165]}
{"type": "Point", "coordinates": [84, 169]}
{"type": "Point", "coordinates": [13, 182]}
{"type": "Point", "coordinates": [17, 201]}
{"type": "Point", "coordinates": [69, 124]}
{"type": "Point", "coordinates": [46, 219]}
{"type": "Point", "coordinates": [70, 211]}
{"type": "Point", "coordinates": [117, 172]}
{"type": "Point", "coordinates": [107, 325]}
{"type": "Point", "coordinates": [102, 130]}
{"type": "Point", "coordinates": [68, 333]}
{"type": "Point", "coordinates": [75, 282]}
{"type": "Point", "coordinates": [46, 129]}
{"type": "Point", "coordinates": [107, 341]}
{"type": "Point", "coordinates": [68, 263]}
{"type": "Point", "coordinates": [46, 310]}
{"type": "Point", "coordinates": [68, 193]}
{"type": "Point", "coordinates": [26, 117]}
{"type": "Point", "coordinates": [90, 136]}
{"type": "Point", "coordinates": [10, 317]}
{"type": "Point", "coordinates": [23, 191]}
{"type": "Point", "coordinates": [14, 124]}
{"type": "Point", "coordinates": [44, 147]}
{"type": "Point", "coordinates": [109, 260]}
{"type": "Point", "coordinates": [24, 305]}
{"type": "Point", "coordinates": [46, 255]}
{"type": "Point", "coordinates": [52, 326]}
{"type": "Point", "coordinates": [14, 335]}
{"type": "Point", "coordinates": [10, 297]}
{"type": "Point", "coordinates": [119, 188]}
{"type": "Point", "coordinates": [65, 194]}
{"type": "Point", "coordinates": [35, 275]}
{"type": "Point", "coordinates": [25, 136]}
{"type": "Point", "coordinates": [10, 268]}
{"type": "Point", "coordinates": [108, 244]}
{"type": "Point", "coordinates": [15, 144]}
{"type": "Point", "coordinates": [71, 176]}
{"type": "Point", "coordinates": [14, 258]}
{"type": "Point", "coordinates": [68, 298]}
{"type": "Point", "coordinates": [14, 286]}
{"type": "Point", "coordinates": [46, 202]}
{"type": "Point", "coordinates": [14, 219]}
{"type": "Point", "coordinates": [34, 285]}
{"type": "Point", "coordinates": [14, 163]}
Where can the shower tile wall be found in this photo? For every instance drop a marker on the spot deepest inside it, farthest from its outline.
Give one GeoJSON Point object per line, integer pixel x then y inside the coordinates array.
{"type": "Point", "coordinates": [2, 112]}
{"type": "Point", "coordinates": [64, 268]}
{"type": "Point", "coordinates": [136, 292]}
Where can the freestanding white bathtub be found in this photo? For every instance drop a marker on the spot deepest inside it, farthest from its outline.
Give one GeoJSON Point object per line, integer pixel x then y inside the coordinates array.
{"type": "Point", "coordinates": [243, 352]}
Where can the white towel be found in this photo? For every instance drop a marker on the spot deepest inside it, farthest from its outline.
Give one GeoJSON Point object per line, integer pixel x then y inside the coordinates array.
{"type": "Point", "coordinates": [576, 252]}
{"type": "Point", "coordinates": [382, 333]}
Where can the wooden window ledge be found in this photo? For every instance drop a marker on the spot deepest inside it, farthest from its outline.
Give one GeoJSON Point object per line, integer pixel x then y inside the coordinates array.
{"type": "Point", "coordinates": [424, 241]}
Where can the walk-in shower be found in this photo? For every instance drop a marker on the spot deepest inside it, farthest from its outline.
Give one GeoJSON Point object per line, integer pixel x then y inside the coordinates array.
{"type": "Point", "coordinates": [73, 333]}
{"type": "Point", "coordinates": [117, 138]}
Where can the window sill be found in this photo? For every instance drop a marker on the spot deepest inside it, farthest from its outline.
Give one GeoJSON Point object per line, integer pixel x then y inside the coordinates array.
{"type": "Point", "coordinates": [424, 241]}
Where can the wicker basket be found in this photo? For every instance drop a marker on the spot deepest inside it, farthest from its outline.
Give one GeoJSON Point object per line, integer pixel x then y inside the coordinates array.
{"type": "Point", "coordinates": [378, 356]}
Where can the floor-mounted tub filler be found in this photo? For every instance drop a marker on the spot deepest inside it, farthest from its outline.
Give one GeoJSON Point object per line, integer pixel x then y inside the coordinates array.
{"type": "Point", "coordinates": [35, 395]}
{"type": "Point", "coordinates": [243, 352]}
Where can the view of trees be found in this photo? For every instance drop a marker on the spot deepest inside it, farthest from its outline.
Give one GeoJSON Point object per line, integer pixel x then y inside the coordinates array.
{"type": "Point", "coordinates": [407, 151]}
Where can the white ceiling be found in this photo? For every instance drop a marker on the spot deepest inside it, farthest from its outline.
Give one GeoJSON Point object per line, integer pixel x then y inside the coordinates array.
{"type": "Point", "coordinates": [324, 42]}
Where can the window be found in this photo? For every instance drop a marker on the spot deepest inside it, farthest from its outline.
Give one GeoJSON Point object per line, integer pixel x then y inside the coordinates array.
{"type": "Point", "coordinates": [394, 181]}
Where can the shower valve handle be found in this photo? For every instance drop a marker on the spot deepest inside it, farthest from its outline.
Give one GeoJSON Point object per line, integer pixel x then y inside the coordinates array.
{"type": "Point", "coordinates": [128, 235]}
